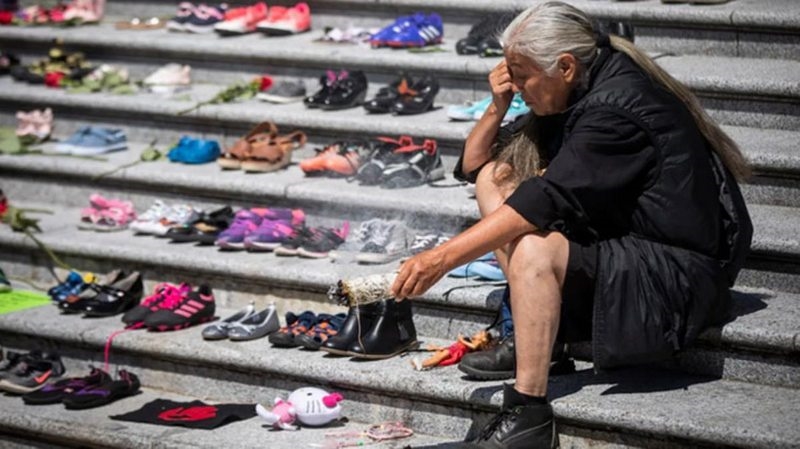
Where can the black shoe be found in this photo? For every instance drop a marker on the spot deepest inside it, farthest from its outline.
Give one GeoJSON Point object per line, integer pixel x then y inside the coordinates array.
{"type": "Point", "coordinates": [500, 362]}
{"type": "Point", "coordinates": [116, 298]}
{"type": "Point", "coordinates": [392, 333]}
{"type": "Point", "coordinates": [76, 303]}
{"type": "Point", "coordinates": [519, 425]}
{"type": "Point", "coordinates": [56, 392]}
{"type": "Point", "coordinates": [490, 47]}
{"type": "Point", "coordinates": [358, 322]}
{"type": "Point", "coordinates": [349, 91]}
{"type": "Point", "coordinates": [387, 96]}
{"type": "Point", "coordinates": [205, 229]}
{"type": "Point", "coordinates": [32, 372]}
{"type": "Point", "coordinates": [103, 393]}
{"type": "Point", "coordinates": [416, 98]}
{"type": "Point", "coordinates": [325, 83]}
{"type": "Point", "coordinates": [491, 26]}
{"type": "Point", "coordinates": [384, 153]}
{"type": "Point", "coordinates": [419, 167]}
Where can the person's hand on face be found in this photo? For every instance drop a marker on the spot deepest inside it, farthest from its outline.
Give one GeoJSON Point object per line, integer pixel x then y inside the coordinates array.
{"type": "Point", "coordinates": [502, 88]}
{"type": "Point", "coordinates": [418, 274]}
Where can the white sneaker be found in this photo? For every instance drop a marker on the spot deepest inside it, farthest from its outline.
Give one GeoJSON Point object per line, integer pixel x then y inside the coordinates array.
{"type": "Point", "coordinates": [176, 215]}
{"type": "Point", "coordinates": [144, 222]}
{"type": "Point", "coordinates": [388, 242]}
{"type": "Point", "coordinates": [169, 79]}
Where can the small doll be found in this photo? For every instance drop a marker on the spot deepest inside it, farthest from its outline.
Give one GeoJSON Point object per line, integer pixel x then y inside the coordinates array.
{"type": "Point", "coordinates": [453, 354]}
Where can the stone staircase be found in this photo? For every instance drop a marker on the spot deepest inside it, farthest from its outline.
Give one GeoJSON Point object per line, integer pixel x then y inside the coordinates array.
{"type": "Point", "coordinates": [739, 386]}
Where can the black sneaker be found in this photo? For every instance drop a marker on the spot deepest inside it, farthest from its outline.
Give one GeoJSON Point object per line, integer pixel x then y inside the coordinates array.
{"type": "Point", "coordinates": [55, 393]}
{"type": "Point", "coordinates": [384, 152]}
{"type": "Point", "coordinates": [387, 96]}
{"type": "Point", "coordinates": [322, 241]}
{"type": "Point", "coordinates": [519, 425]}
{"type": "Point", "coordinates": [417, 97]}
{"type": "Point", "coordinates": [32, 373]}
{"type": "Point", "coordinates": [10, 362]}
{"type": "Point", "coordinates": [179, 312]}
{"type": "Point", "coordinates": [421, 165]}
{"type": "Point", "coordinates": [290, 246]}
{"type": "Point", "coordinates": [490, 26]}
{"type": "Point", "coordinates": [205, 229]}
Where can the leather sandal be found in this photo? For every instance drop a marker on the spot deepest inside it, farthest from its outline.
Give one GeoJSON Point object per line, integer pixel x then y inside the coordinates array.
{"type": "Point", "coordinates": [240, 151]}
{"type": "Point", "coordinates": [268, 156]}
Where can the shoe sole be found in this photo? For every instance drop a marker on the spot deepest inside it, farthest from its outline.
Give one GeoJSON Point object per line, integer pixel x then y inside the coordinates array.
{"type": "Point", "coordinates": [198, 29]}
{"type": "Point", "coordinates": [177, 327]}
{"type": "Point", "coordinates": [261, 247]}
{"type": "Point", "coordinates": [279, 100]}
{"type": "Point", "coordinates": [18, 389]}
{"type": "Point", "coordinates": [408, 347]}
{"type": "Point", "coordinates": [377, 259]}
{"type": "Point", "coordinates": [302, 252]}
{"type": "Point", "coordinates": [270, 31]}
{"type": "Point", "coordinates": [280, 251]}
{"type": "Point", "coordinates": [80, 151]}
{"type": "Point", "coordinates": [486, 375]}
{"type": "Point", "coordinates": [231, 246]}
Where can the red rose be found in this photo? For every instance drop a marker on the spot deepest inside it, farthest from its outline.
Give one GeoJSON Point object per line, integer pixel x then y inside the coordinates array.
{"type": "Point", "coordinates": [53, 79]}
{"type": "Point", "coordinates": [6, 17]}
{"type": "Point", "coordinates": [265, 83]}
{"type": "Point", "coordinates": [3, 206]}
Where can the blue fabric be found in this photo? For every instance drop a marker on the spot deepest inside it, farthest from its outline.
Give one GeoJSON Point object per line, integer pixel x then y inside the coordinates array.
{"type": "Point", "coordinates": [194, 151]}
{"type": "Point", "coordinates": [507, 326]}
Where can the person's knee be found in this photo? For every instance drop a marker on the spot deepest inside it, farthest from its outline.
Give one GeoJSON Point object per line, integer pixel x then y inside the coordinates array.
{"type": "Point", "coordinates": [538, 256]}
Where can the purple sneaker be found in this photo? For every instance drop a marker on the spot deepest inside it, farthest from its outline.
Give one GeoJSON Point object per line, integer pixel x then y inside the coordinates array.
{"type": "Point", "coordinates": [269, 235]}
{"type": "Point", "coordinates": [245, 222]}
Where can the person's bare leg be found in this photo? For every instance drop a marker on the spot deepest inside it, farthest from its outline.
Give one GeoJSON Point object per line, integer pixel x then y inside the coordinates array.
{"type": "Point", "coordinates": [491, 194]}
{"type": "Point", "coordinates": [537, 265]}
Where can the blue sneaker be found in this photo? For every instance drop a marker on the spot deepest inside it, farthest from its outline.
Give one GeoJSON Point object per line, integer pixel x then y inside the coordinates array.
{"type": "Point", "coordinates": [194, 151]}
{"type": "Point", "coordinates": [418, 30]}
{"type": "Point", "coordinates": [93, 140]}
{"type": "Point", "coordinates": [475, 111]}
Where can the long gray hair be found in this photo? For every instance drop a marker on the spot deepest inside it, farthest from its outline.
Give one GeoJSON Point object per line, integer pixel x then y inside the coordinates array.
{"type": "Point", "coordinates": [544, 32]}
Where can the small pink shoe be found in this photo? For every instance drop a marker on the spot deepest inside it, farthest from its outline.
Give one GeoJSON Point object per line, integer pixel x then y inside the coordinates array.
{"type": "Point", "coordinates": [85, 11]}
{"type": "Point", "coordinates": [286, 21]}
{"type": "Point", "coordinates": [106, 214]}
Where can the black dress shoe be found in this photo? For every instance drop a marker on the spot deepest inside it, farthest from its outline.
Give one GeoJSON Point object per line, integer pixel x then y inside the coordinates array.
{"type": "Point", "coordinates": [500, 362]}
{"type": "Point", "coordinates": [519, 426]}
{"type": "Point", "coordinates": [417, 98]}
{"type": "Point", "coordinates": [392, 333]}
{"type": "Point", "coordinates": [358, 322]}
{"type": "Point", "coordinates": [387, 96]}
{"type": "Point", "coordinates": [349, 91]}
{"type": "Point", "coordinates": [205, 229]}
{"type": "Point", "coordinates": [116, 298]}
{"type": "Point", "coordinates": [77, 303]}
{"type": "Point", "coordinates": [325, 83]}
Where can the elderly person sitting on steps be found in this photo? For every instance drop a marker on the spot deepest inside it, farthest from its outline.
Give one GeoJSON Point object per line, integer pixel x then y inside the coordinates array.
{"type": "Point", "coordinates": [632, 236]}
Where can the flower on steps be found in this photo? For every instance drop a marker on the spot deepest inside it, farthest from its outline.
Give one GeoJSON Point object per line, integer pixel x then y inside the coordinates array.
{"type": "Point", "coordinates": [236, 92]}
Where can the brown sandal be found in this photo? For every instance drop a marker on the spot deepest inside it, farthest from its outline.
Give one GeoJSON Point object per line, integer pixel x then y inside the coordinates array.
{"type": "Point", "coordinates": [273, 154]}
{"type": "Point", "coordinates": [240, 151]}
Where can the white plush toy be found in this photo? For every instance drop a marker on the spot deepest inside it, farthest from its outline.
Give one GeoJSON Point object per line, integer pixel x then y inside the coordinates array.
{"type": "Point", "coordinates": [312, 407]}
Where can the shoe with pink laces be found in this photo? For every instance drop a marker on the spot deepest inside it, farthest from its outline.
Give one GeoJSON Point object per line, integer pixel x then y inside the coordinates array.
{"type": "Point", "coordinates": [242, 20]}
{"type": "Point", "coordinates": [153, 302]}
{"type": "Point", "coordinates": [181, 311]}
{"type": "Point", "coordinates": [283, 21]}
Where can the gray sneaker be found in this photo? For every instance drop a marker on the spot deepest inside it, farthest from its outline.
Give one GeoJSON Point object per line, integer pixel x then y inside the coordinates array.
{"type": "Point", "coordinates": [284, 92]}
{"type": "Point", "coordinates": [389, 241]}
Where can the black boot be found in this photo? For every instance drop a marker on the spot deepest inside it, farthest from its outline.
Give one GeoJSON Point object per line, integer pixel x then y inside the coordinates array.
{"type": "Point", "coordinates": [392, 333]}
{"type": "Point", "coordinates": [522, 424]}
{"type": "Point", "coordinates": [500, 362]}
{"type": "Point", "coordinates": [358, 322]}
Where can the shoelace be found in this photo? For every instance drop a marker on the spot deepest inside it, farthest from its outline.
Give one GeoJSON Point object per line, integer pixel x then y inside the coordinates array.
{"type": "Point", "coordinates": [173, 298]}
{"type": "Point", "coordinates": [381, 234]}
{"type": "Point", "coordinates": [423, 241]}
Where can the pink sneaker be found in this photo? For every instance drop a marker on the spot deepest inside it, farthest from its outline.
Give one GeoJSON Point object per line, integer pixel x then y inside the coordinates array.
{"type": "Point", "coordinates": [285, 21]}
{"type": "Point", "coordinates": [242, 20]}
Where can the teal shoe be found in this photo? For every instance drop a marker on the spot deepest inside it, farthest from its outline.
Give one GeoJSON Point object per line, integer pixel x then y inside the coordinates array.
{"type": "Point", "coordinates": [469, 111]}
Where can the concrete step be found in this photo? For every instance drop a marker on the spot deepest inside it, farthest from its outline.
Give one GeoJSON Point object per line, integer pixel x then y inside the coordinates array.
{"type": "Point", "coordinates": [611, 409]}
{"type": "Point", "coordinates": [747, 28]}
{"type": "Point", "coordinates": [32, 426]}
{"type": "Point", "coordinates": [759, 346]}
{"type": "Point", "coordinates": [738, 91]}
{"type": "Point", "coordinates": [772, 154]}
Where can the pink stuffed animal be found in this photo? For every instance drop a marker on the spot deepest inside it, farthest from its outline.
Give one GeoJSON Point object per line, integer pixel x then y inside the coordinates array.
{"type": "Point", "coordinates": [309, 406]}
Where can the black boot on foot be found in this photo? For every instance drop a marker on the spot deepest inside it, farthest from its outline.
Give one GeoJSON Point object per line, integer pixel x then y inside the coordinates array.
{"type": "Point", "coordinates": [522, 424]}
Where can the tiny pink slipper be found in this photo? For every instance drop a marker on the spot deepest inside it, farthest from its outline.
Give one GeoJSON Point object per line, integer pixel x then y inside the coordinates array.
{"type": "Point", "coordinates": [89, 218]}
{"type": "Point", "coordinates": [114, 219]}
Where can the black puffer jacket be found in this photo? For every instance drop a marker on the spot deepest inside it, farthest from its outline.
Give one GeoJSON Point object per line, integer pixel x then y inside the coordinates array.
{"type": "Point", "coordinates": [629, 169]}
